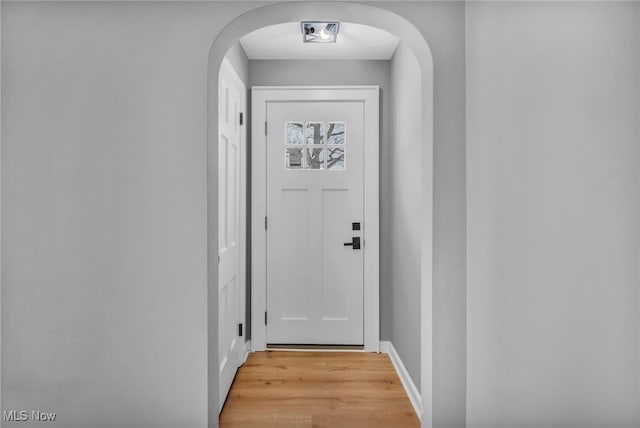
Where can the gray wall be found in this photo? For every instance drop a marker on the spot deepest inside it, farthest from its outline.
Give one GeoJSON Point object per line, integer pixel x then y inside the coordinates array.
{"type": "Point", "coordinates": [553, 215]}
{"type": "Point", "coordinates": [1, 276]}
{"type": "Point", "coordinates": [324, 72]}
{"type": "Point", "coordinates": [104, 217]}
{"type": "Point", "coordinates": [104, 205]}
{"type": "Point", "coordinates": [104, 211]}
{"type": "Point", "coordinates": [400, 268]}
{"type": "Point", "coordinates": [442, 24]}
{"type": "Point", "coordinates": [238, 59]}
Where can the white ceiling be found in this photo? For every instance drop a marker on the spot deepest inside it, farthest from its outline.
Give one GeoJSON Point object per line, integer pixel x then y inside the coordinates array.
{"type": "Point", "coordinates": [284, 41]}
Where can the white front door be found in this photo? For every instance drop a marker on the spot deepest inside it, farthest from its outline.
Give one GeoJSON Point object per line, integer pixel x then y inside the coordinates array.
{"type": "Point", "coordinates": [316, 220]}
{"type": "Point", "coordinates": [232, 218]}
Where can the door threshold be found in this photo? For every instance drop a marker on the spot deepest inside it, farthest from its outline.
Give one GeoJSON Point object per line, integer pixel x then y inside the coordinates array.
{"type": "Point", "coordinates": [315, 348]}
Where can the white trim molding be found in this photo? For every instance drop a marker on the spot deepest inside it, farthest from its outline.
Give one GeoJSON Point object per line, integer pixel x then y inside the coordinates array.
{"type": "Point", "coordinates": [369, 96]}
{"type": "Point", "coordinates": [386, 347]}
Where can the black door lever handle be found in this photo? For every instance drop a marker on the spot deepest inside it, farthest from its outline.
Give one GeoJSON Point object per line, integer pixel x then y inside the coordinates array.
{"type": "Point", "coordinates": [355, 243]}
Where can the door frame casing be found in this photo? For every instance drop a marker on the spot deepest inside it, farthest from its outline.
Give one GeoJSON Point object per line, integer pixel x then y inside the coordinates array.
{"type": "Point", "coordinates": [260, 97]}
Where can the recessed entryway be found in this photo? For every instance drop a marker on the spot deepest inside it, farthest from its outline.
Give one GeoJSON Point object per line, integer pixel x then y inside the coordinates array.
{"type": "Point", "coordinates": [420, 189]}
{"type": "Point", "coordinates": [315, 216]}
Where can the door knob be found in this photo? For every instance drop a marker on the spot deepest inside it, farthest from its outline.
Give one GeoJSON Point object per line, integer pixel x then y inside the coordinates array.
{"type": "Point", "coordinates": [355, 243]}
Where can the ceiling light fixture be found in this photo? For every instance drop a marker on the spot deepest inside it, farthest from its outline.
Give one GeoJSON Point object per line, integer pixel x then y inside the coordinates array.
{"type": "Point", "coordinates": [319, 32]}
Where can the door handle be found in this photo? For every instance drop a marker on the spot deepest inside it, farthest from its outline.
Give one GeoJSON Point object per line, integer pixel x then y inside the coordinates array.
{"type": "Point", "coordinates": [355, 243]}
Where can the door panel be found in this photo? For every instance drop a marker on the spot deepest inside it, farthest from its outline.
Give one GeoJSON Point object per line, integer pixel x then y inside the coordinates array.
{"type": "Point", "coordinates": [231, 277]}
{"type": "Point", "coordinates": [334, 230]}
{"type": "Point", "coordinates": [315, 176]}
{"type": "Point", "coordinates": [291, 296]}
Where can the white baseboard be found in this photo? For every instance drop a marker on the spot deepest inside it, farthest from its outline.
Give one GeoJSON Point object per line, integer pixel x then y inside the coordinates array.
{"type": "Point", "coordinates": [410, 388]}
{"type": "Point", "coordinates": [247, 349]}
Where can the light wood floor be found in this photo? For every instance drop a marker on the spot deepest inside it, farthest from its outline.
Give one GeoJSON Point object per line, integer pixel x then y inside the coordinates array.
{"type": "Point", "coordinates": [317, 389]}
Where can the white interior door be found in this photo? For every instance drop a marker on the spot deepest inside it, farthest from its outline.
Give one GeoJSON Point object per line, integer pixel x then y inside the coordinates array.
{"type": "Point", "coordinates": [315, 211]}
{"type": "Point", "coordinates": [232, 218]}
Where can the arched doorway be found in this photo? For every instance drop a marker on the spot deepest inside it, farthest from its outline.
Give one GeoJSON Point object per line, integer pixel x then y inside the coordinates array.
{"type": "Point", "coordinates": [413, 39]}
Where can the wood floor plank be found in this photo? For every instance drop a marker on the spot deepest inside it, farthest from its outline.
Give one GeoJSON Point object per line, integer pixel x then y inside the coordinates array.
{"type": "Point", "coordinates": [317, 389]}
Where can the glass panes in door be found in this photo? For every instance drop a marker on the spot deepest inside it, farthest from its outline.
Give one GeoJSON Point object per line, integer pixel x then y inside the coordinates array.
{"type": "Point", "coordinates": [335, 133]}
{"type": "Point", "coordinates": [293, 158]}
{"type": "Point", "coordinates": [293, 145]}
{"type": "Point", "coordinates": [315, 158]}
{"type": "Point", "coordinates": [315, 145]}
{"type": "Point", "coordinates": [315, 133]}
{"type": "Point", "coordinates": [293, 133]}
{"type": "Point", "coordinates": [335, 159]}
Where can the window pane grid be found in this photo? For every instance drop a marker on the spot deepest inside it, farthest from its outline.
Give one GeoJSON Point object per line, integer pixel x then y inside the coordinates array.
{"type": "Point", "coordinates": [315, 145]}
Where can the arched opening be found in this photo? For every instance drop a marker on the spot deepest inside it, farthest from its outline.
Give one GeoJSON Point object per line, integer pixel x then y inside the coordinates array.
{"type": "Point", "coordinates": [416, 44]}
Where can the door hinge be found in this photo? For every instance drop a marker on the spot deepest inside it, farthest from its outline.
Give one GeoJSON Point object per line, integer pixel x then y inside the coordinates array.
{"type": "Point", "coordinates": [240, 329]}
{"type": "Point", "coordinates": [265, 317]}
{"type": "Point", "coordinates": [265, 222]}
{"type": "Point", "coordinates": [241, 118]}
{"type": "Point", "coordinates": [265, 128]}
